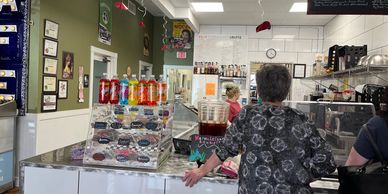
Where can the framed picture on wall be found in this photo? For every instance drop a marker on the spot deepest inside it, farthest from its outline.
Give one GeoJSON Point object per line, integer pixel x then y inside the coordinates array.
{"type": "Point", "coordinates": [49, 83]}
{"type": "Point", "coordinates": [51, 29]}
{"type": "Point", "coordinates": [299, 71]}
{"type": "Point", "coordinates": [67, 65]}
{"type": "Point", "coordinates": [62, 89]}
{"type": "Point", "coordinates": [49, 102]}
{"type": "Point", "coordinates": [50, 48]}
{"type": "Point", "coordinates": [50, 66]}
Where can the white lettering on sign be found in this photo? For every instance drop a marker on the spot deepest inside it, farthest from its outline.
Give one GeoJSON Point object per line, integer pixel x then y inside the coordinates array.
{"type": "Point", "coordinates": [4, 40]}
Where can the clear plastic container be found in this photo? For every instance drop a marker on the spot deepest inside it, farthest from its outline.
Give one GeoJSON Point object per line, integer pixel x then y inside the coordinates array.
{"type": "Point", "coordinates": [133, 90]}
{"type": "Point", "coordinates": [212, 117]}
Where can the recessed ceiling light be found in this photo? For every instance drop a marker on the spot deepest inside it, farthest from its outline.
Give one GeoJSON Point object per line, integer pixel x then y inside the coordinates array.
{"type": "Point", "coordinates": [208, 6]}
{"type": "Point", "coordinates": [299, 7]}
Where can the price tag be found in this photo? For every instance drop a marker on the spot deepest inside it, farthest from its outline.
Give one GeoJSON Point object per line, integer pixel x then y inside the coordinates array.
{"type": "Point", "coordinates": [4, 40]}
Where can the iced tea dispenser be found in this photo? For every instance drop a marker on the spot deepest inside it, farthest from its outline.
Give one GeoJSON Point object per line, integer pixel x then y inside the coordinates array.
{"type": "Point", "coordinates": [212, 117]}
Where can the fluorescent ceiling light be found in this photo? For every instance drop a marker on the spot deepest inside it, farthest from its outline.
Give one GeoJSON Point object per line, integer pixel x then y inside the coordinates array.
{"type": "Point", "coordinates": [299, 7]}
{"type": "Point", "coordinates": [208, 6]}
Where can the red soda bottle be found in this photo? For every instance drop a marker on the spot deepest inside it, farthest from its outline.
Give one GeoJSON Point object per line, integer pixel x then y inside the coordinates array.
{"type": "Point", "coordinates": [162, 91]}
{"type": "Point", "coordinates": [152, 89]}
{"type": "Point", "coordinates": [114, 90]}
{"type": "Point", "coordinates": [143, 91]}
{"type": "Point", "coordinates": [103, 96]}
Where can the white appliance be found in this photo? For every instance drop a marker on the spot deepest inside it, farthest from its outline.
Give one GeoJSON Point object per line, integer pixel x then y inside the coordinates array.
{"type": "Point", "coordinates": [204, 87]}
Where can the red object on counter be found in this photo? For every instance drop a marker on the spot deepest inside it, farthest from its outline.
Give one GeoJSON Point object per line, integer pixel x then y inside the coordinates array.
{"type": "Point", "coordinates": [152, 90]}
{"type": "Point", "coordinates": [263, 26]}
{"type": "Point", "coordinates": [103, 95]}
{"type": "Point", "coordinates": [114, 90]}
{"type": "Point", "coordinates": [230, 169]}
{"type": "Point", "coordinates": [143, 91]}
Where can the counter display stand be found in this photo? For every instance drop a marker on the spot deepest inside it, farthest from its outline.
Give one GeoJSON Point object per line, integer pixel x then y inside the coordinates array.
{"type": "Point", "coordinates": [129, 136]}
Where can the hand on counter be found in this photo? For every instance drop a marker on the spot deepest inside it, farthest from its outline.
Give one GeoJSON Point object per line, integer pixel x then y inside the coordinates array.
{"type": "Point", "coordinates": [193, 176]}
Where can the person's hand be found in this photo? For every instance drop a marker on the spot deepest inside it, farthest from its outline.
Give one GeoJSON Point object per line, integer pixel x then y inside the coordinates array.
{"type": "Point", "coordinates": [193, 176]}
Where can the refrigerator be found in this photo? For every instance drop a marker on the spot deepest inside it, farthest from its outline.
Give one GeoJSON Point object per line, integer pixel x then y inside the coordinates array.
{"type": "Point", "coordinates": [204, 87]}
{"type": "Point", "coordinates": [8, 114]}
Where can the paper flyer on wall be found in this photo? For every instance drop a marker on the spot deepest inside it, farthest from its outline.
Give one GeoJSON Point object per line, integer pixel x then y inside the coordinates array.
{"type": "Point", "coordinates": [105, 22]}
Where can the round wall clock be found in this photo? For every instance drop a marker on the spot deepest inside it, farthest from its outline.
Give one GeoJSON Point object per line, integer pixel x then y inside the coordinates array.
{"type": "Point", "coordinates": [271, 53]}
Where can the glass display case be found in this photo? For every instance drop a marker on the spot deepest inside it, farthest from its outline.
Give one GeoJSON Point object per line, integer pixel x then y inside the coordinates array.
{"type": "Point", "coordinates": [337, 122]}
{"type": "Point", "coordinates": [129, 136]}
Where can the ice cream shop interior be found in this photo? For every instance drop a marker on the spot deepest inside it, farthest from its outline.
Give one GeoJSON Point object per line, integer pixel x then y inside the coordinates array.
{"type": "Point", "coordinates": [192, 96]}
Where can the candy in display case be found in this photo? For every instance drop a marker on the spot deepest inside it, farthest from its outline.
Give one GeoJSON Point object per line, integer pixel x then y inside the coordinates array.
{"type": "Point", "coordinates": [129, 136]}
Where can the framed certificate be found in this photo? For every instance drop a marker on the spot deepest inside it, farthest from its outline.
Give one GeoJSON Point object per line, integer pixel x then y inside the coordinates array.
{"type": "Point", "coordinates": [51, 29]}
{"type": "Point", "coordinates": [62, 89]}
{"type": "Point", "coordinates": [49, 102]}
{"type": "Point", "coordinates": [50, 66]}
{"type": "Point", "coordinates": [299, 71]}
{"type": "Point", "coordinates": [50, 48]}
{"type": "Point", "coordinates": [49, 83]}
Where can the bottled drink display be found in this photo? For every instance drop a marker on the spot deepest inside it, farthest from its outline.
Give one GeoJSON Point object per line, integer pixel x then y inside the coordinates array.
{"type": "Point", "coordinates": [143, 91]}
{"type": "Point", "coordinates": [161, 91]}
{"type": "Point", "coordinates": [152, 90]}
{"type": "Point", "coordinates": [114, 90]}
{"type": "Point", "coordinates": [104, 90]}
{"type": "Point", "coordinates": [232, 70]}
{"type": "Point", "coordinates": [133, 91]}
{"type": "Point", "coordinates": [124, 86]}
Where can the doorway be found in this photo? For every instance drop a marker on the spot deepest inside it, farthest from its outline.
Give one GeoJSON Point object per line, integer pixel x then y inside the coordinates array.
{"type": "Point", "coordinates": [101, 61]}
{"type": "Point", "coordinates": [179, 82]}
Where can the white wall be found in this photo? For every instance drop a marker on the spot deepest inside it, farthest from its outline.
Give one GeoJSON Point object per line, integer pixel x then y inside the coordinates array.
{"type": "Point", "coordinates": [294, 44]}
{"type": "Point", "coordinates": [358, 30]}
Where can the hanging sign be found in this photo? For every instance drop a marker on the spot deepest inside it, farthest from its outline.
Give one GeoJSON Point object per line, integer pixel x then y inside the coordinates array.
{"type": "Point", "coordinates": [105, 22]}
{"type": "Point", "coordinates": [372, 7]}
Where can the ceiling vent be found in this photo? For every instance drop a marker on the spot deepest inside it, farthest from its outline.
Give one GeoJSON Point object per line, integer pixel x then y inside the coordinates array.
{"type": "Point", "coordinates": [131, 8]}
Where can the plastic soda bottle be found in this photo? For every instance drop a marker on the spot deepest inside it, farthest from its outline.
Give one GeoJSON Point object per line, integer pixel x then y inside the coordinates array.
{"type": "Point", "coordinates": [124, 90]}
{"type": "Point", "coordinates": [133, 90]}
{"type": "Point", "coordinates": [114, 90]}
{"type": "Point", "coordinates": [104, 89]}
{"type": "Point", "coordinates": [143, 92]}
{"type": "Point", "coordinates": [152, 91]}
{"type": "Point", "coordinates": [161, 91]}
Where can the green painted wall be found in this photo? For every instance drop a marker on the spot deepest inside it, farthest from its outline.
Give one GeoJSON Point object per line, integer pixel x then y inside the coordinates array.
{"type": "Point", "coordinates": [78, 30]}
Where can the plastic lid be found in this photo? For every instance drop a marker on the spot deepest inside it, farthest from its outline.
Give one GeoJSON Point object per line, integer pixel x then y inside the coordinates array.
{"type": "Point", "coordinates": [142, 76]}
{"type": "Point", "coordinates": [152, 76]}
{"type": "Point", "coordinates": [134, 75]}
{"type": "Point", "coordinates": [125, 75]}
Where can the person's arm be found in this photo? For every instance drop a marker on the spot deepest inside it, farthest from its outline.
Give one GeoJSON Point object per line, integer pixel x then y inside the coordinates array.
{"type": "Point", "coordinates": [192, 177]}
{"type": "Point", "coordinates": [355, 159]}
{"type": "Point", "coordinates": [229, 147]}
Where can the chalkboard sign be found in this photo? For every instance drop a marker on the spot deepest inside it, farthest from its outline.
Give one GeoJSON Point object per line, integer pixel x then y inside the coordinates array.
{"type": "Point", "coordinates": [371, 7]}
{"type": "Point", "coordinates": [203, 146]}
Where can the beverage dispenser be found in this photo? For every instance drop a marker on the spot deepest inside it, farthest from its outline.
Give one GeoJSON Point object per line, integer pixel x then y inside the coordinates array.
{"type": "Point", "coordinates": [212, 117]}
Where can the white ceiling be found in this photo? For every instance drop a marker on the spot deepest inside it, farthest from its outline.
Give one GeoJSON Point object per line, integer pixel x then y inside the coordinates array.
{"type": "Point", "coordinates": [247, 12]}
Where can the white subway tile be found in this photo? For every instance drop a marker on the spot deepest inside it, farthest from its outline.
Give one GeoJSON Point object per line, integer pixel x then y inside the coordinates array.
{"type": "Point", "coordinates": [320, 33]}
{"type": "Point", "coordinates": [234, 30]}
{"type": "Point", "coordinates": [373, 21]}
{"type": "Point", "coordinates": [380, 36]}
{"type": "Point", "coordinates": [210, 29]}
{"type": "Point", "coordinates": [265, 44]}
{"type": "Point", "coordinates": [253, 44]}
{"type": "Point", "coordinates": [314, 46]}
{"type": "Point", "coordinates": [285, 32]}
{"type": "Point", "coordinates": [306, 58]}
{"type": "Point", "coordinates": [298, 45]}
{"type": "Point", "coordinates": [320, 46]}
{"type": "Point", "coordinates": [257, 57]}
{"type": "Point", "coordinates": [365, 39]}
{"type": "Point", "coordinates": [308, 33]}
{"type": "Point", "coordinates": [375, 51]}
{"type": "Point", "coordinates": [384, 50]}
{"type": "Point", "coordinates": [251, 31]}
{"type": "Point", "coordinates": [283, 57]}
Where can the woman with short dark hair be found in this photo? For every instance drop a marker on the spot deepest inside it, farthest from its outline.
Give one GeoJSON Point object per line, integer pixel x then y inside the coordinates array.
{"type": "Point", "coordinates": [283, 151]}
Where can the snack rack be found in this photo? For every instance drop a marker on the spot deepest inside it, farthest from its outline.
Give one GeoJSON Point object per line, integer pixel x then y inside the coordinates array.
{"type": "Point", "coordinates": [129, 136]}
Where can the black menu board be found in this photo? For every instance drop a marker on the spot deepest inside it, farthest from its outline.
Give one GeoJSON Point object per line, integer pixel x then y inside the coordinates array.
{"type": "Point", "coordinates": [337, 7]}
{"type": "Point", "coordinates": [203, 146]}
